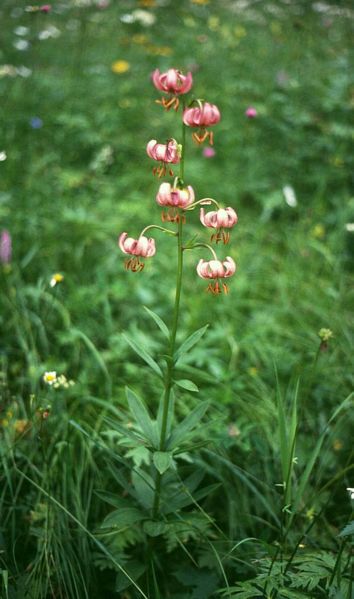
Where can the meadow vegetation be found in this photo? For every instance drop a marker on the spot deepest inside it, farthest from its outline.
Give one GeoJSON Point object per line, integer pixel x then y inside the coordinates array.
{"type": "Point", "coordinates": [254, 501]}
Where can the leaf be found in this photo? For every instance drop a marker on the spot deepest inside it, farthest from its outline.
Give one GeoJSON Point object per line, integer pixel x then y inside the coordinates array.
{"type": "Point", "coordinates": [140, 455]}
{"type": "Point", "coordinates": [142, 352]}
{"type": "Point", "coordinates": [135, 570]}
{"type": "Point", "coordinates": [122, 518]}
{"type": "Point", "coordinates": [141, 415]}
{"type": "Point", "coordinates": [155, 529]}
{"type": "Point", "coordinates": [144, 487]}
{"type": "Point", "coordinates": [185, 498]}
{"type": "Point", "coordinates": [182, 430]}
{"type": "Point", "coordinates": [160, 323]}
{"type": "Point", "coordinates": [112, 498]}
{"type": "Point", "coordinates": [314, 455]}
{"type": "Point", "coordinates": [189, 342]}
{"type": "Point", "coordinates": [187, 384]}
{"type": "Point", "coordinates": [76, 333]}
{"type": "Point", "coordinates": [347, 530]}
{"type": "Point", "coordinates": [162, 460]}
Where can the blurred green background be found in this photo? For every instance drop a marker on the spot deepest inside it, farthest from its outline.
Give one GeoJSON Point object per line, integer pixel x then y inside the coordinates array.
{"type": "Point", "coordinates": [77, 111]}
{"type": "Point", "coordinates": [76, 174]}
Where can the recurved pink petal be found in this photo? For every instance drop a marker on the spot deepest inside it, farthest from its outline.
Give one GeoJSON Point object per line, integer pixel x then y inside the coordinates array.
{"type": "Point", "coordinates": [150, 148]}
{"type": "Point", "coordinates": [164, 194]}
{"type": "Point", "coordinates": [187, 84]}
{"type": "Point", "coordinates": [230, 266]}
{"type": "Point", "coordinates": [215, 269]}
{"type": "Point", "coordinates": [172, 81]}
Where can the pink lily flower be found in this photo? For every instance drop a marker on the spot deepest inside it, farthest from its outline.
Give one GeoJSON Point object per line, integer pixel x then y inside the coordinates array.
{"type": "Point", "coordinates": [219, 219]}
{"type": "Point", "coordinates": [202, 116]}
{"type": "Point", "coordinates": [215, 269]}
{"type": "Point", "coordinates": [171, 196]}
{"type": "Point", "coordinates": [45, 8]}
{"type": "Point", "coordinates": [165, 153]}
{"type": "Point", "coordinates": [5, 247]}
{"type": "Point", "coordinates": [251, 112]}
{"type": "Point", "coordinates": [172, 82]}
{"type": "Point", "coordinates": [143, 246]}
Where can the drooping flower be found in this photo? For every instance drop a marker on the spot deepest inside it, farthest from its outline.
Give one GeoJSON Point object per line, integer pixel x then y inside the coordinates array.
{"type": "Point", "coordinates": [169, 153]}
{"type": "Point", "coordinates": [142, 247]}
{"type": "Point", "coordinates": [251, 112]}
{"type": "Point", "coordinates": [202, 116]}
{"type": "Point", "coordinates": [224, 218]}
{"type": "Point", "coordinates": [172, 82]}
{"type": "Point", "coordinates": [172, 196]}
{"type": "Point", "coordinates": [175, 198]}
{"type": "Point", "coordinates": [5, 247]}
{"type": "Point", "coordinates": [215, 269]}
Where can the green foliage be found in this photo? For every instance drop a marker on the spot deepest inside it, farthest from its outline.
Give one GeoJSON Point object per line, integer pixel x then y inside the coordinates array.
{"type": "Point", "coordinates": [310, 575]}
{"type": "Point", "coordinates": [77, 489]}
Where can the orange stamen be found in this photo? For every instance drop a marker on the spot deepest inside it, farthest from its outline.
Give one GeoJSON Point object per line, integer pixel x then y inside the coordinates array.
{"type": "Point", "coordinates": [172, 216]}
{"type": "Point", "coordinates": [134, 264]}
{"type": "Point", "coordinates": [168, 103]}
{"type": "Point", "coordinates": [220, 235]}
{"type": "Point", "coordinates": [200, 136]}
{"type": "Point", "coordinates": [216, 288]}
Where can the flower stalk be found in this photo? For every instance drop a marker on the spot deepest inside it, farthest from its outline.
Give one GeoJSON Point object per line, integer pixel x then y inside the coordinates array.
{"type": "Point", "coordinates": [177, 199]}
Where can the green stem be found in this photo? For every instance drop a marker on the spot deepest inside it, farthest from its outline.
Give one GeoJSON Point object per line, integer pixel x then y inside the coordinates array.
{"type": "Point", "coordinates": [170, 363]}
{"type": "Point", "coordinates": [169, 374]}
{"type": "Point", "coordinates": [170, 360]}
{"type": "Point", "coordinates": [181, 164]}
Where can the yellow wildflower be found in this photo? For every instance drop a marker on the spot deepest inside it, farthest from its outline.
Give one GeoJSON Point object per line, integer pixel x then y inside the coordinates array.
{"type": "Point", "coordinates": [319, 231]}
{"type": "Point", "coordinates": [140, 38]}
{"type": "Point", "coordinates": [56, 278]}
{"type": "Point", "coordinates": [252, 371]}
{"type": "Point", "coordinates": [337, 444]}
{"type": "Point", "coordinates": [20, 426]}
{"type": "Point", "coordinates": [159, 50]}
{"type": "Point", "coordinates": [201, 2]}
{"type": "Point", "coordinates": [147, 3]}
{"type": "Point", "coordinates": [120, 67]}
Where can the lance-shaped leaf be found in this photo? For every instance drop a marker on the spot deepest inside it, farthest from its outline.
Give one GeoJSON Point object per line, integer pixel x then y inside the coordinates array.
{"type": "Point", "coordinates": [143, 353]}
{"type": "Point", "coordinates": [160, 323]}
{"type": "Point", "coordinates": [141, 415]}
{"type": "Point", "coordinates": [182, 430]}
{"type": "Point", "coordinates": [187, 384]}
{"type": "Point", "coordinates": [189, 342]}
